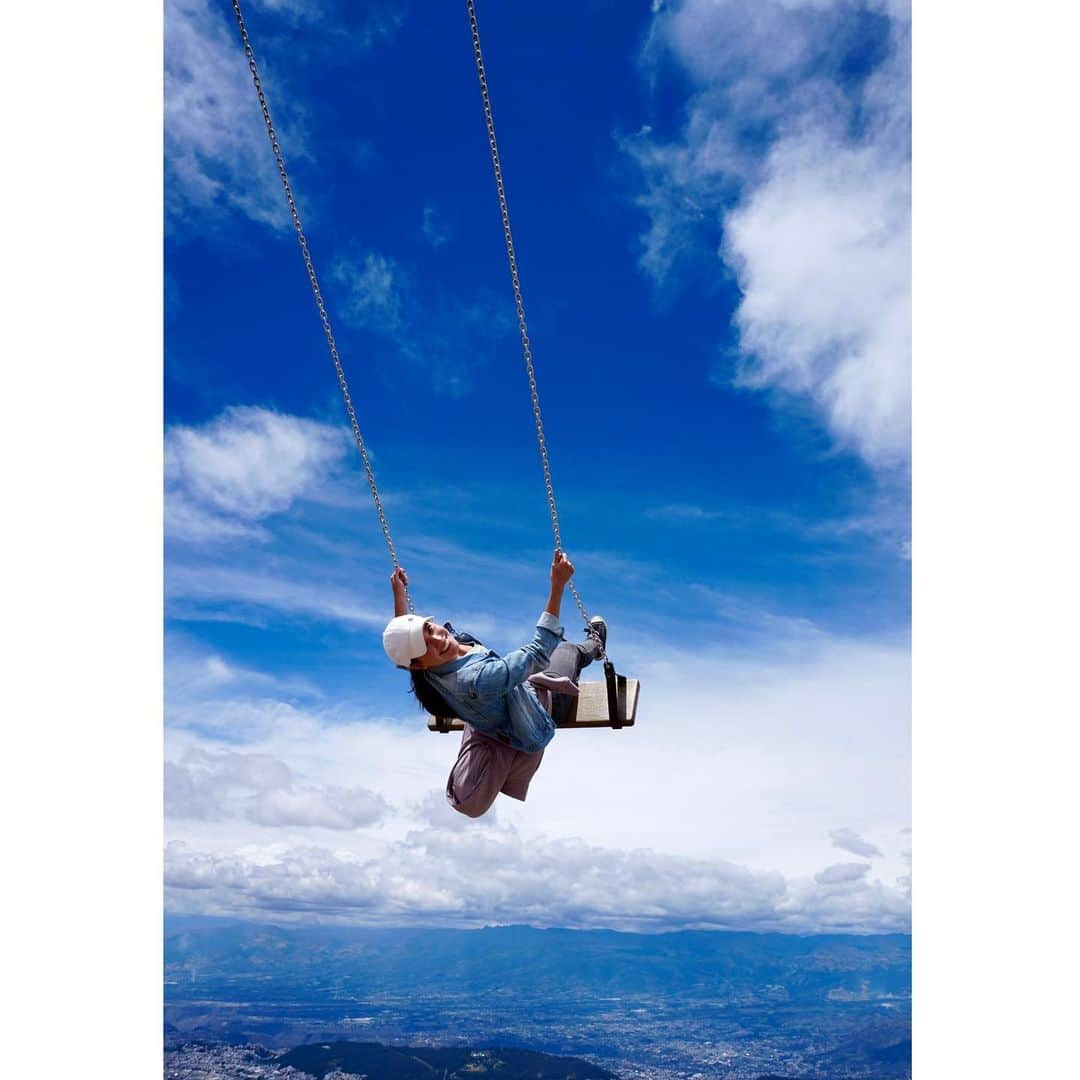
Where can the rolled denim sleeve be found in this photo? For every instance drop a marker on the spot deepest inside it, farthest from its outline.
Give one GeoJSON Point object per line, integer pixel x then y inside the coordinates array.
{"type": "Point", "coordinates": [498, 674]}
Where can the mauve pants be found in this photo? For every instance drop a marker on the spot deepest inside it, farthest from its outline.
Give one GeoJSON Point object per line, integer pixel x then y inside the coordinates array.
{"type": "Point", "coordinates": [485, 767]}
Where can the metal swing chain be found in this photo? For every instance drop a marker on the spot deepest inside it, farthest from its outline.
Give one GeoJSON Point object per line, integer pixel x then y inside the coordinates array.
{"type": "Point", "coordinates": [316, 291]}
{"type": "Point", "coordinates": [526, 347]}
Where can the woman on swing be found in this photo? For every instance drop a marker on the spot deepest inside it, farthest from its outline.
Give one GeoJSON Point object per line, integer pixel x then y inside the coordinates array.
{"type": "Point", "coordinates": [509, 704]}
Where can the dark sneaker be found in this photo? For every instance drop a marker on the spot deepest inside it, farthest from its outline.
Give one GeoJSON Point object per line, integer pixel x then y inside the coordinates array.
{"type": "Point", "coordinates": [597, 629]}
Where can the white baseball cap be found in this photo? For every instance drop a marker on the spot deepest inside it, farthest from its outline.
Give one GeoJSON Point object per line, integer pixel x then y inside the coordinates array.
{"type": "Point", "coordinates": [403, 638]}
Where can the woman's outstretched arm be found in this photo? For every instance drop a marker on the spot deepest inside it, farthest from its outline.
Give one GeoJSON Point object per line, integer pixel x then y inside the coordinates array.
{"type": "Point", "coordinates": [399, 582]}
{"type": "Point", "coordinates": [562, 570]}
{"type": "Point", "coordinates": [496, 675]}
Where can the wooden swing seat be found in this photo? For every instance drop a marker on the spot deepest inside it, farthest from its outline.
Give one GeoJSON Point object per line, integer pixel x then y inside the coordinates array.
{"type": "Point", "coordinates": [590, 708]}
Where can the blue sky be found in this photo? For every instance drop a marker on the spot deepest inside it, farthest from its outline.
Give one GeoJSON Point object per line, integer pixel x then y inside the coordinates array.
{"type": "Point", "coordinates": [711, 203]}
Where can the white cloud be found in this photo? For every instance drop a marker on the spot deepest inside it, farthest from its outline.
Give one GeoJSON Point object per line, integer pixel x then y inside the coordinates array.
{"type": "Point", "coordinates": [755, 758]}
{"type": "Point", "coordinates": [218, 159]}
{"type": "Point", "coordinates": [882, 516]}
{"type": "Point", "coordinates": [214, 786]}
{"type": "Point", "coordinates": [437, 231]}
{"type": "Point", "coordinates": [246, 464]}
{"type": "Point", "coordinates": [375, 292]}
{"type": "Point", "coordinates": [816, 227]}
{"type": "Point", "coordinates": [203, 785]}
{"type": "Point", "coordinates": [849, 840]}
{"type": "Point", "coordinates": [186, 520]}
{"type": "Point", "coordinates": [476, 877]}
{"type": "Point", "coordinates": [296, 10]}
{"type": "Point", "coordinates": [434, 812]}
{"type": "Point", "coordinates": [822, 251]}
{"type": "Point", "coordinates": [842, 874]}
{"type": "Point", "coordinates": [443, 337]}
{"type": "Point", "coordinates": [237, 591]}
{"type": "Point", "coordinates": [690, 512]}
{"type": "Point", "coordinates": [329, 808]}
{"type": "Point", "coordinates": [196, 674]}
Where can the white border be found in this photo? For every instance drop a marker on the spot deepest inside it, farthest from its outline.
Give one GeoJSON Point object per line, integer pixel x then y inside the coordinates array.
{"type": "Point", "coordinates": [994, 549]}
{"type": "Point", "coordinates": [994, 540]}
{"type": "Point", "coordinates": [81, 430]}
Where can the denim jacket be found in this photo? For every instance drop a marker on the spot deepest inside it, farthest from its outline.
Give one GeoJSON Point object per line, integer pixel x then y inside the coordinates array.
{"type": "Point", "coordinates": [490, 694]}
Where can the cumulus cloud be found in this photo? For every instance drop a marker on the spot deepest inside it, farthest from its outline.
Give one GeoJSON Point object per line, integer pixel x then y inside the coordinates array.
{"type": "Point", "coordinates": [798, 175]}
{"type": "Point", "coordinates": [474, 877]}
{"type": "Point", "coordinates": [246, 464]}
{"type": "Point", "coordinates": [262, 789]}
{"type": "Point", "coordinates": [203, 785]}
{"type": "Point", "coordinates": [849, 840]}
{"type": "Point", "coordinates": [822, 251]}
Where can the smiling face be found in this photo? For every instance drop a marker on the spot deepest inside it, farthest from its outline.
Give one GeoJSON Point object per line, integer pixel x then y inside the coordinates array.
{"type": "Point", "coordinates": [442, 646]}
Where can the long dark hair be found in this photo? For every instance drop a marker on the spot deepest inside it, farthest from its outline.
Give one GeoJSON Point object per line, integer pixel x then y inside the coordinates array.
{"type": "Point", "coordinates": [428, 697]}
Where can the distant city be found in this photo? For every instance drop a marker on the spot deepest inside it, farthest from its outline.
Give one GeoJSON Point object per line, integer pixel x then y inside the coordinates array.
{"type": "Point", "coordinates": [341, 1060]}
{"type": "Point", "coordinates": [239, 997]}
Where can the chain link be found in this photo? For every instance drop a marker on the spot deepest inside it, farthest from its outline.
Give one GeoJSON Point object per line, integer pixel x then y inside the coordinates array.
{"type": "Point", "coordinates": [526, 346]}
{"type": "Point", "coordinates": [324, 318]}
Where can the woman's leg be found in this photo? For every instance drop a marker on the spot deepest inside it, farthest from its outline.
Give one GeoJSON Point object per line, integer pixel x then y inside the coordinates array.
{"type": "Point", "coordinates": [570, 659]}
{"type": "Point", "coordinates": [521, 773]}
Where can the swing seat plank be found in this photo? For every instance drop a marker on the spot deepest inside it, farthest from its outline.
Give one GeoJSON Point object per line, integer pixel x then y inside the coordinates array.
{"type": "Point", "coordinates": [591, 708]}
